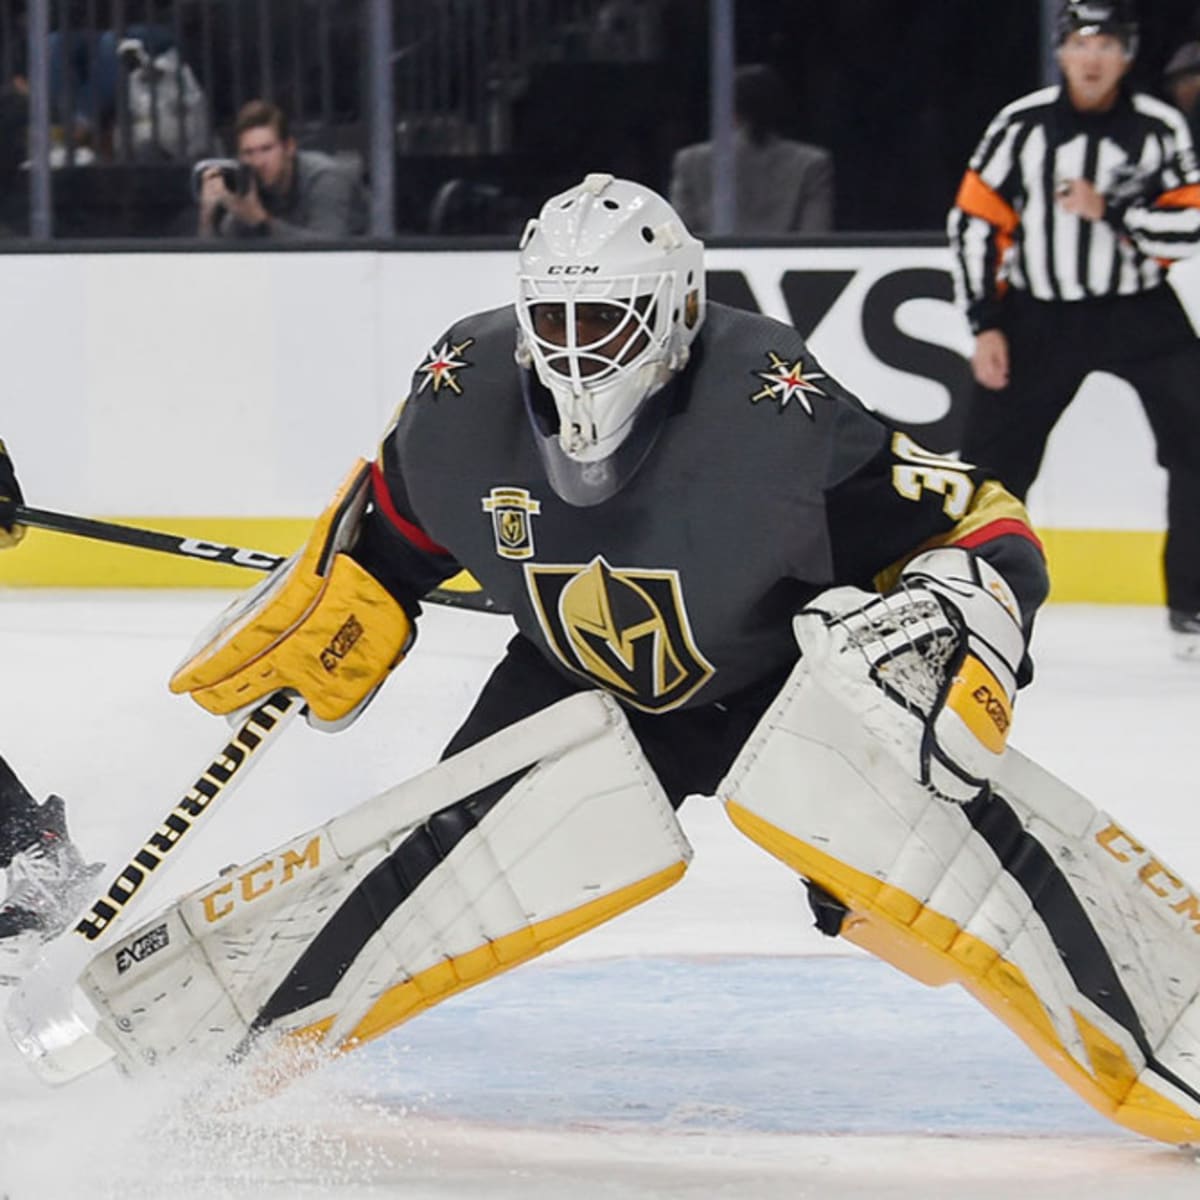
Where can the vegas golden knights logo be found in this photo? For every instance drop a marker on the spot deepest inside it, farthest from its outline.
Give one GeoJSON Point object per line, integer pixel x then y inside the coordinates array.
{"type": "Point", "coordinates": [625, 630]}
{"type": "Point", "coordinates": [511, 509]}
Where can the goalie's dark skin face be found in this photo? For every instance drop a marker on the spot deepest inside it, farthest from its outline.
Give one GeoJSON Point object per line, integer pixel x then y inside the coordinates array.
{"type": "Point", "coordinates": [605, 329]}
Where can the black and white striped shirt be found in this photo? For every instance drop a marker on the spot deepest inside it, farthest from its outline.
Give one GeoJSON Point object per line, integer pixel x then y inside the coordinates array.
{"type": "Point", "coordinates": [1006, 229]}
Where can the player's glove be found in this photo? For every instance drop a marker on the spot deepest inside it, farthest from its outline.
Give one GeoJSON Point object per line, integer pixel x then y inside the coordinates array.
{"type": "Point", "coordinates": [10, 496]}
{"type": "Point", "coordinates": [931, 666]}
{"type": "Point", "coordinates": [320, 624]}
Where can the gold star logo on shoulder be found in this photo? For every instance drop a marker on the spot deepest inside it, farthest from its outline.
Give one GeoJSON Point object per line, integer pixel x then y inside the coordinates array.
{"type": "Point", "coordinates": [787, 382]}
{"type": "Point", "coordinates": [440, 367]}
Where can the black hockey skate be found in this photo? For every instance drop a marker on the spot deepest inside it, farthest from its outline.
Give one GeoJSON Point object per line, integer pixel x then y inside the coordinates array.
{"type": "Point", "coordinates": [1185, 633]}
{"type": "Point", "coordinates": [48, 882]}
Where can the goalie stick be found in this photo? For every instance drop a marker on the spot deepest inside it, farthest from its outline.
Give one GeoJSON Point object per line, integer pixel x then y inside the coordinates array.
{"type": "Point", "coordinates": [41, 1018]}
{"type": "Point", "coordinates": [203, 550]}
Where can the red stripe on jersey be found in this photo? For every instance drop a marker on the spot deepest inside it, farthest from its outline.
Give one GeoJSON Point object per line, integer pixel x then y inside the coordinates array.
{"type": "Point", "coordinates": [413, 533]}
{"type": "Point", "coordinates": [1004, 527]}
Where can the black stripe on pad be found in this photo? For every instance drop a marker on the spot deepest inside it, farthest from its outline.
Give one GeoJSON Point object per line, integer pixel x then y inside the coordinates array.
{"type": "Point", "coordinates": [332, 952]}
{"type": "Point", "coordinates": [1080, 947]}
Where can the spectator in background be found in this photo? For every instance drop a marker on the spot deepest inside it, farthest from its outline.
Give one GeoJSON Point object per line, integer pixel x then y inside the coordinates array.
{"type": "Point", "coordinates": [781, 186]}
{"type": "Point", "coordinates": [1060, 235]}
{"type": "Point", "coordinates": [85, 70]}
{"type": "Point", "coordinates": [289, 193]}
{"type": "Point", "coordinates": [1181, 79]}
{"type": "Point", "coordinates": [167, 108]}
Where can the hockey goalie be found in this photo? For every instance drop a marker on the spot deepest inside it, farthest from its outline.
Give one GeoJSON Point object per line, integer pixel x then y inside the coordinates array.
{"type": "Point", "coordinates": [728, 579]}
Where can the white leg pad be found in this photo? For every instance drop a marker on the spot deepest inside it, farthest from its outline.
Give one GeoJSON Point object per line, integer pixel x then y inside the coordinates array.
{"type": "Point", "coordinates": [344, 932]}
{"type": "Point", "coordinates": [1055, 918]}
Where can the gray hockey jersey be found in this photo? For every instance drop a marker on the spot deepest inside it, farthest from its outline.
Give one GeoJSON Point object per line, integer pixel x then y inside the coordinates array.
{"type": "Point", "coordinates": [767, 483]}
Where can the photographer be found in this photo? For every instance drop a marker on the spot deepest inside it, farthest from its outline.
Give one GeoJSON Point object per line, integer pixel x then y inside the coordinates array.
{"type": "Point", "coordinates": [275, 190]}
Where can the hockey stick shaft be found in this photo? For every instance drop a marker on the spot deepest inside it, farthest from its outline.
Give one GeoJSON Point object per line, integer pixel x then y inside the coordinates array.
{"type": "Point", "coordinates": [204, 551]}
{"type": "Point", "coordinates": [227, 768]}
{"type": "Point", "coordinates": [41, 1018]}
{"type": "Point", "coordinates": [147, 539]}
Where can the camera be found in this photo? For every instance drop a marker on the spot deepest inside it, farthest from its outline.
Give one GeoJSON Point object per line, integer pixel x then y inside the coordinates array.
{"type": "Point", "coordinates": [237, 176]}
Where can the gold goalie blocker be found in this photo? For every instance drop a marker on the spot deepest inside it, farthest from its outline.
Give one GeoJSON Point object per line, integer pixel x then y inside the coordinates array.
{"type": "Point", "coordinates": [319, 624]}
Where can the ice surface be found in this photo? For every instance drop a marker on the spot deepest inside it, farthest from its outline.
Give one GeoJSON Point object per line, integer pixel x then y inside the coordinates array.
{"type": "Point", "coordinates": [707, 1045]}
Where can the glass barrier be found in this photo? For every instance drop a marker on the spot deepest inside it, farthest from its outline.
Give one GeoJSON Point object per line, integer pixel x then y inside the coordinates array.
{"type": "Point", "coordinates": [458, 117]}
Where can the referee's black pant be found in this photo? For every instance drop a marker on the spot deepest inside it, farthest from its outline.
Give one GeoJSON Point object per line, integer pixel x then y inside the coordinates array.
{"type": "Point", "coordinates": [1146, 340]}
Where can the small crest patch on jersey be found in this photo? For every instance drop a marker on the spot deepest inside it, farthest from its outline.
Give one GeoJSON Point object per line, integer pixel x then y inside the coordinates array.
{"type": "Point", "coordinates": [624, 629]}
{"type": "Point", "coordinates": [511, 510]}
{"type": "Point", "coordinates": [788, 381]}
{"type": "Point", "coordinates": [442, 366]}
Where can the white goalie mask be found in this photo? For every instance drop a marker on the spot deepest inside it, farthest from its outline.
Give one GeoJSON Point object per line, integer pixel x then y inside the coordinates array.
{"type": "Point", "coordinates": [611, 296]}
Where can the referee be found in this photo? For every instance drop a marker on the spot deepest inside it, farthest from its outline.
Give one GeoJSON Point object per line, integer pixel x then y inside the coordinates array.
{"type": "Point", "coordinates": [1075, 201]}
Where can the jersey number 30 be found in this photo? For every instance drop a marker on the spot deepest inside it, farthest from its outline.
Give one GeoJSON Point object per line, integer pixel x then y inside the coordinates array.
{"type": "Point", "coordinates": [921, 471]}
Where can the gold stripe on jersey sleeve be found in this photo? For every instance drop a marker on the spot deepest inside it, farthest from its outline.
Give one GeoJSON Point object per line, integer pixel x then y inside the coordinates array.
{"type": "Point", "coordinates": [991, 503]}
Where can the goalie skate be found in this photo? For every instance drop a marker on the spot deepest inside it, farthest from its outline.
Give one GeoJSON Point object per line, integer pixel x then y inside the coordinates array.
{"type": "Point", "coordinates": [1061, 922]}
{"type": "Point", "coordinates": [48, 882]}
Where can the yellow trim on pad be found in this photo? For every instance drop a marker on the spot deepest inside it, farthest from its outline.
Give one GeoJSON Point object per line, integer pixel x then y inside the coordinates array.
{"type": "Point", "coordinates": [404, 1000]}
{"type": "Point", "coordinates": [935, 950]}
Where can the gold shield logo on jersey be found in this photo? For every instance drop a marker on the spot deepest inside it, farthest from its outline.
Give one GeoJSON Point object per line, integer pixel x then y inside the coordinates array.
{"type": "Point", "coordinates": [625, 630]}
{"type": "Point", "coordinates": [511, 510]}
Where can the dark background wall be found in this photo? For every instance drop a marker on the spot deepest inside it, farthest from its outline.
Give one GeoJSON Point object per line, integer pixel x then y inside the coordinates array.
{"type": "Point", "coordinates": [899, 90]}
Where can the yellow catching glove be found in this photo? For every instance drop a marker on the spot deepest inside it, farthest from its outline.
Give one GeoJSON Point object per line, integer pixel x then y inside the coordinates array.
{"type": "Point", "coordinates": [319, 624]}
{"type": "Point", "coordinates": [10, 496]}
